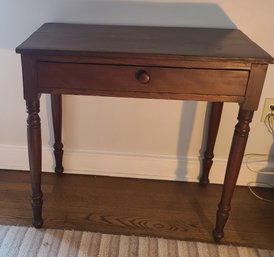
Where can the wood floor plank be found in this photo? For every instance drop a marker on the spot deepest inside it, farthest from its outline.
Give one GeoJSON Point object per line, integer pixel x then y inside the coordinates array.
{"type": "Point", "coordinates": [167, 209]}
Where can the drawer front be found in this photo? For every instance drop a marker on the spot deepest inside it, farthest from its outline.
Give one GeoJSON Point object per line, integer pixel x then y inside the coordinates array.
{"type": "Point", "coordinates": [141, 79]}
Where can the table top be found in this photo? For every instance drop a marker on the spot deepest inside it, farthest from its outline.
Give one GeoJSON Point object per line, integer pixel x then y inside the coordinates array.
{"type": "Point", "coordinates": [137, 41]}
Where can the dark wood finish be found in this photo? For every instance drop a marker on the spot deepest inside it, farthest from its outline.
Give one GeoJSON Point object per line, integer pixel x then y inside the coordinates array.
{"type": "Point", "coordinates": [125, 79]}
{"type": "Point", "coordinates": [144, 42]}
{"type": "Point", "coordinates": [214, 65]}
{"type": "Point", "coordinates": [233, 168]}
{"type": "Point", "coordinates": [149, 95]}
{"type": "Point", "coordinates": [143, 76]}
{"type": "Point", "coordinates": [141, 207]}
{"type": "Point", "coordinates": [29, 77]}
{"type": "Point", "coordinates": [254, 87]}
{"type": "Point", "coordinates": [56, 107]}
{"type": "Point", "coordinates": [168, 61]}
{"type": "Point", "coordinates": [213, 127]}
{"type": "Point", "coordinates": [34, 146]}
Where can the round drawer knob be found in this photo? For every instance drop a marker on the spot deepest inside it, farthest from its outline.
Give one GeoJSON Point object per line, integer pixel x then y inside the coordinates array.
{"type": "Point", "coordinates": [143, 77]}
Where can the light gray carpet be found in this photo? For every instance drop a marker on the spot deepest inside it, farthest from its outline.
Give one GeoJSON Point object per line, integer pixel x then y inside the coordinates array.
{"type": "Point", "coordinates": [30, 242]}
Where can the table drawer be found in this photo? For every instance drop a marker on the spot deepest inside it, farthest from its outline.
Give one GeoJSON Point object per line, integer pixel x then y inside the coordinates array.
{"type": "Point", "coordinates": [141, 79]}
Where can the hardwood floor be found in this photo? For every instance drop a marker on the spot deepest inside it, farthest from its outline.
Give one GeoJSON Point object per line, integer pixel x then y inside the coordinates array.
{"type": "Point", "coordinates": [141, 207]}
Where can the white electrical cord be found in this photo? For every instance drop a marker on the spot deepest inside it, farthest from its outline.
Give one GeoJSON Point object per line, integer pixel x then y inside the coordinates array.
{"type": "Point", "coordinates": [251, 155]}
{"type": "Point", "coordinates": [254, 183]}
{"type": "Point", "coordinates": [269, 123]}
{"type": "Point", "coordinates": [249, 184]}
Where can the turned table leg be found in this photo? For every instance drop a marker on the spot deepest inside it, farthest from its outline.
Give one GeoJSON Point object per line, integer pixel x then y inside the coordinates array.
{"type": "Point", "coordinates": [56, 107]}
{"type": "Point", "coordinates": [34, 147]}
{"type": "Point", "coordinates": [232, 171]}
{"type": "Point", "coordinates": [214, 122]}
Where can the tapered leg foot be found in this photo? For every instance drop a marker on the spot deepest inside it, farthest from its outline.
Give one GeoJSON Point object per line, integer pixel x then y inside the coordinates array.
{"type": "Point", "coordinates": [214, 122]}
{"type": "Point", "coordinates": [36, 203]}
{"type": "Point", "coordinates": [58, 154]}
{"type": "Point", "coordinates": [221, 219]}
{"type": "Point", "coordinates": [37, 220]}
{"type": "Point", "coordinates": [232, 171]}
{"type": "Point", "coordinates": [56, 106]}
{"type": "Point", "coordinates": [37, 223]}
{"type": "Point", "coordinates": [217, 236]}
{"type": "Point", "coordinates": [204, 181]}
{"type": "Point", "coordinates": [59, 171]}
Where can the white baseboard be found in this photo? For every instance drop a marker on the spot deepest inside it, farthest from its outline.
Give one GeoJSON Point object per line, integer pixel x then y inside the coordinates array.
{"type": "Point", "coordinates": [151, 166]}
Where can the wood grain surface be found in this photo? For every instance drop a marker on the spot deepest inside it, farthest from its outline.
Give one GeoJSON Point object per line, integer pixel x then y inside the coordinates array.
{"type": "Point", "coordinates": [125, 78]}
{"type": "Point", "coordinates": [205, 43]}
{"type": "Point", "coordinates": [141, 207]}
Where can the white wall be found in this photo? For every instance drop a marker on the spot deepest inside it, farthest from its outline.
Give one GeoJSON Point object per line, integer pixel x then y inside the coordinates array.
{"type": "Point", "coordinates": [129, 137]}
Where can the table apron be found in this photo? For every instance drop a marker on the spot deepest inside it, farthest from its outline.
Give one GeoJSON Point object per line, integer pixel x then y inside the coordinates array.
{"type": "Point", "coordinates": [125, 80]}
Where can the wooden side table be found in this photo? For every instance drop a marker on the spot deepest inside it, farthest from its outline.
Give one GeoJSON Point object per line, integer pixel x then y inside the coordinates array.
{"type": "Point", "coordinates": [214, 65]}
